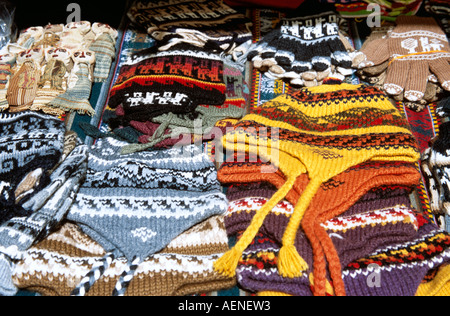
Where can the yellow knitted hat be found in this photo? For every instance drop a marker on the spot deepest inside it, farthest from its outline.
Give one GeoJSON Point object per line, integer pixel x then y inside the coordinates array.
{"type": "Point", "coordinates": [322, 131]}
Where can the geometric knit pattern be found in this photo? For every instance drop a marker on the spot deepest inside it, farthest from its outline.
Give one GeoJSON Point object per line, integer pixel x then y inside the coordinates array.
{"type": "Point", "coordinates": [322, 132]}
{"type": "Point", "coordinates": [174, 81]}
{"type": "Point", "coordinates": [76, 99]}
{"type": "Point", "coordinates": [415, 49]}
{"type": "Point", "coordinates": [56, 265]}
{"type": "Point", "coordinates": [305, 44]}
{"type": "Point", "coordinates": [134, 205]}
{"type": "Point", "coordinates": [28, 141]}
{"type": "Point", "coordinates": [192, 21]}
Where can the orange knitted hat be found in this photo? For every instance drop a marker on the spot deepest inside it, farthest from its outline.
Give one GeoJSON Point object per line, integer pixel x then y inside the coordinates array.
{"type": "Point", "coordinates": [322, 132]}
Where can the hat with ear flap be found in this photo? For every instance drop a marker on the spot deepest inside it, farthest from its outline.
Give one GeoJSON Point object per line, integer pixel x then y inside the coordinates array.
{"type": "Point", "coordinates": [134, 205]}
{"type": "Point", "coordinates": [320, 131]}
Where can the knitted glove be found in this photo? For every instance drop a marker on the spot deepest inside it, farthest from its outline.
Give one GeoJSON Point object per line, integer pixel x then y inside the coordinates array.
{"type": "Point", "coordinates": [306, 44]}
{"type": "Point", "coordinates": [414, 54]}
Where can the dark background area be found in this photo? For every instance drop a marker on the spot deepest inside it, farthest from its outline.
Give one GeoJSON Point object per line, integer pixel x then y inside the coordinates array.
{"type": "Point", "coordinates": [41, 12]}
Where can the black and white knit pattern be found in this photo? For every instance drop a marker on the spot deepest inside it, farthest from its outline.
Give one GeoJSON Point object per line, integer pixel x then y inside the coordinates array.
{"type": "Point", "coordinates": [28, 140]}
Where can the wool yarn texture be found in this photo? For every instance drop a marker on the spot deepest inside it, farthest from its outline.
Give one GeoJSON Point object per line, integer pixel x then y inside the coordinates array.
{"type": "Point", "coordinates": [46, 210]}
{"type": "Point", "coordinates": [175, 81]}
{"type": "Point", "coordinates": [320, 132]}
{"type": "Point", "coordinates": [185, 267]}
{"type": "Point", "coordinates": [76, 98]}
{"type": "Point", "coordinates": [135, 204]}
{"type": "Point", "coordinates": [201, 23]}
{"type": "Point", "coordinates": [398, 270]}
{"type": "Point", "coordinates": [303, 45]}
{"type": "Point", "coordinates": [436, 168]}
{"type": "Point", "coordinates": [28, 141]}
{"type": "Point", "coordinates": [349, 186]}
{"type": "Point", "coordinates": [437, 7]}
{"type": "Point", "coordinates": [415, 49]}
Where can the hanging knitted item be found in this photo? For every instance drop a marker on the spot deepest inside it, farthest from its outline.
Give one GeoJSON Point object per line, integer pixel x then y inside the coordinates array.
{"type": "Point", "coordinates": [53, 81]}
{"type": "Point", "coordinates": [134, 205]}
{"type": "Point", "coordinates": [24, 84]}
{"type": "Point", "coordinates": [318, 131]}
{"type": "Point", "coordinates": [77, 98]}
{"type": "Point", "coordinates": [104, 47]}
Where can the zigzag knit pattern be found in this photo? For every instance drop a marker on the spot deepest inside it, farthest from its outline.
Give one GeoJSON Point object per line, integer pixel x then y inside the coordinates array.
{"type": "Point", "coordinates": [134, 205]}
{"type": "Point", "coordinates": [175, 81]}
{"type": "Point", "coordinates": [28, 141]}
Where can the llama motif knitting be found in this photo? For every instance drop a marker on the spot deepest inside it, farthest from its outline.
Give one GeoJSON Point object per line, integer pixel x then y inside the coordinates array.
{"type": "Point", "coordinates": [76, 98]}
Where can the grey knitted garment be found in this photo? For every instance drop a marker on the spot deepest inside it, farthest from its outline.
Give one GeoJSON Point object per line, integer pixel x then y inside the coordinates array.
{"type": "Point", "coordinates": [134, 205]}
{"type": "Point", "coordinates": [28, 141]}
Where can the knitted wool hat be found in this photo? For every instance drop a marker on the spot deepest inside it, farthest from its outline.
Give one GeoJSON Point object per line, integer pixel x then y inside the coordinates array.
{"type": "Point", "coordinates": [361, 232]}
{"type": "Point", "coordinates": [322, 131]}
{"type": "Point", "coordinates": [347, 187]}
{"type": "Point", "coordinates": [45, 210]}
{"type": "Point", "coordinates": [443, 108]}
{"type": "Point", "coordinates": [401, 269]}
{"type": "Point", "coordinates": [28, 141]}
{"type": "Point", "coordinates": [195, 22]}
{"type": "Point", "coordinates": [185, 267]}
{"type": "Point", "coordinates": [134, 205]}
{"type": "Point", "coordinates": [436, 165]}
{"type": "Point", "coordinates": [175, 81]}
